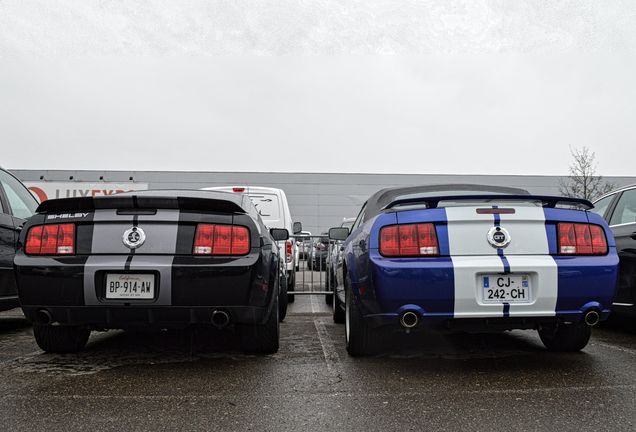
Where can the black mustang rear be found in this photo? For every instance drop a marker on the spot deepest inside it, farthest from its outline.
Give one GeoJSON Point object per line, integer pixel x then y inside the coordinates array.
{"type": "Point", "coordinates": [150, 259]}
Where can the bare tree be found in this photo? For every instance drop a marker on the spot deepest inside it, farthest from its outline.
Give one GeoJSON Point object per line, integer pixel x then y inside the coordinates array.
{"type": "Point", "coordinates": [583, 181]}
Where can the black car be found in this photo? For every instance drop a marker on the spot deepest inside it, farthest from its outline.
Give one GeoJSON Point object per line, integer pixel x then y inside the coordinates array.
{"type": "Point", "coordinates": [619, 210]}
{"type": "Point", "coordinates": [16, 205]}
{"type": "Point", "coordinates": [152, 259]}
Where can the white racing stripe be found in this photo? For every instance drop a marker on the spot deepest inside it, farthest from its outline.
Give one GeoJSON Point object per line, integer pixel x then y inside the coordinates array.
{"type": "Point", "coordinates": [528, 253]}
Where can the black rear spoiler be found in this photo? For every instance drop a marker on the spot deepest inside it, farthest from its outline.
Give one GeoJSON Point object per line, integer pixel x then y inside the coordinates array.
{"type": "Point", "coordinates": [125, 202]}
{"type": "Point", "coordinates": [546, 201]}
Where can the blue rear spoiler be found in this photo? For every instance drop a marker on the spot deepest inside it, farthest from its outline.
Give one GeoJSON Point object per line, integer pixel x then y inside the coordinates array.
{"type": "Point", "coordinates": [546, 201]}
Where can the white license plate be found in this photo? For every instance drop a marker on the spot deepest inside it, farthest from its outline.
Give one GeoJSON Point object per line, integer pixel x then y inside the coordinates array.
{"type": "Point", "coordinates": [505, 288]}
{"type": "Point", "coordinates": [130, 286]}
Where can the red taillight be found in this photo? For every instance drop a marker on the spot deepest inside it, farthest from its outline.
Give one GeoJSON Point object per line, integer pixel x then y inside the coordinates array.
{"type": "Point", "coordinates": [288, 250]}
{"type": "Point", "coordinates": [53, 239]}
{"type": "Point", "coordinates": [409, 240]}
{"type": "Point", "coordinates": [238, 189]}
{"type": "Point", "coordinates": [212, 239]}
{"type": "Point", "coordinates": [581, 239]}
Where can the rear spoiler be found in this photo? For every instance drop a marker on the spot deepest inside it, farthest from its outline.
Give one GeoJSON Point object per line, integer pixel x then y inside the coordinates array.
{"type": "Point", "coordinates": [131, 202]}
{"type": "Point", "coordinates": [546, 201]}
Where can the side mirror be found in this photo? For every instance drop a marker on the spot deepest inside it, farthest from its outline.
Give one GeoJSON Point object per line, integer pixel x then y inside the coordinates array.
{"type": "Point", "coordinates": [298, 227]}
{"type": "Point", "coordinates": [279, 234]}
{"type": "Point", "coordinates": [338, 233]}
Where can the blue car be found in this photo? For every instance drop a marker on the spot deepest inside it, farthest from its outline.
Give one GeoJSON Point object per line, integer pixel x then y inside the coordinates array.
{"type": "Point", "coordinates": [477, 259]}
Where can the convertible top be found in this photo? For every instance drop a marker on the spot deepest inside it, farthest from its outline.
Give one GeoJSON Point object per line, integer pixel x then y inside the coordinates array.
{"type": "Point", "coordinates": [431, 195]}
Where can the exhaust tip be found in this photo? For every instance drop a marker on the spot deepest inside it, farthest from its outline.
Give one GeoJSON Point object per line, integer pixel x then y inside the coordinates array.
{"type": "Point", "coordinates": [43, 317]}
{"type": "Point", "coordinates": [220, 318]}
{"type": "Point", "coordinates": [592, 318]}
{"type": "Point", "coordinates": [409, 319]}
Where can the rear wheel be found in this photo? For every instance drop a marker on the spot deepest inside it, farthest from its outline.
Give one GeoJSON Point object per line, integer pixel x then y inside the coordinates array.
{"type": "Point", "coordinates": [262, 338]}
{"type": "Point", "coordinates": [338, 309]}
{"type": "Point", "coordinates": [60, 339]}
{"type": "Point", "coordinates": [330, 287]}
{"type": "Point", "coordinates": [566, 337]}
{"type": "Point", "coordinates": [283, 299]}
{"type": "Point", "coordinates": [360, 339]}
{"type": "Point", "coordinates": [291, 286]}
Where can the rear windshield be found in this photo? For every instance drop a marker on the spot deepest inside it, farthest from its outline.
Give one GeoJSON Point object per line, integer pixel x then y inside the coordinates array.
{"type": "Point", "coordinates": [268, 207]}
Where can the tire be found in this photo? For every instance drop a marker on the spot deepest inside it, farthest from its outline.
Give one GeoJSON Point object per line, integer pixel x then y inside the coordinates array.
{"type": "Point", "coordinates": [360, 339]}
{"type": "Point", "coordinates": [566, 337]}
{"type": "Point", "coordinates": [338, 310]}
{"type": "Point", "coordinates": [291, 286]}
{"type": "Point", "coordinates": [262, 338]}
{"type": "Point", "coordinates": [60, 339]}
{"type": "Point", "coordinates": [283, 300]}
{"type": "Point", "coordinates": [329, 297]}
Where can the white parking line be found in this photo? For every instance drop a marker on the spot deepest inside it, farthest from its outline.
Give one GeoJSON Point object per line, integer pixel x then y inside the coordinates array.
{"type": "Point", "coordinates": [332, 359]}
{"type": "Point", "coordinates": [615, 347]}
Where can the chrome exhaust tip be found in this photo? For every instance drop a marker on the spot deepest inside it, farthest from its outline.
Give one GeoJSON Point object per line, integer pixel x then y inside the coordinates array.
{"type": "Point", "coordinates": [592, 318]}
{"type": "Point", "coordinates": [220, 318]}
{"type": "Point", "coordinates": [409, 319]}
{"type": "Point", "coordinates": [43, 317]}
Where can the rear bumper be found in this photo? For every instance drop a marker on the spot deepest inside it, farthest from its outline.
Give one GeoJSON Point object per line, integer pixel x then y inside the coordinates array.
{"type": "Point", "coordinates": [447, 289]}
{"type": "Point", "coordinates": [115, 317]}
{"type": "Point", "coordinates": [187, 289]}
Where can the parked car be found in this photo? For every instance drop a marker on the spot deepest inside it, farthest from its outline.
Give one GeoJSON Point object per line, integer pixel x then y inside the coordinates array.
{"type": "Point", "coordinates": [303, 240]}
{"type": "Point", "coordinates": [317, 260]}
{"type": "Point", "coordinates": [273, 208]}
{"type": "Point", "coordinates": [16, 206]}
{"type": "Point", "coordinates": [474, 258]}
{"type": "Point", "coordinates": [152, 259]}
{"type": "Point", "coordinates": [619, 210]}
{"type": "Point", "coordinates": [335, 248]}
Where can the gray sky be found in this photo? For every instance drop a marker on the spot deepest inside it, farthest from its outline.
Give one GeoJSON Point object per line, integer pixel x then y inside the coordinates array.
{"type": "Point", "coordinates": [328, 86]}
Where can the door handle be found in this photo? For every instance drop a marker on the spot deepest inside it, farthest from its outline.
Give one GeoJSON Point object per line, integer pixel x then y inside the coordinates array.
{"type": "Point", "coordinates": [633, 235]}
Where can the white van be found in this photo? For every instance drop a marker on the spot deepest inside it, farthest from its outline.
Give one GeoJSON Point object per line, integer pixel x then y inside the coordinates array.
{"type": "Point", "coordinates": [272, 205]}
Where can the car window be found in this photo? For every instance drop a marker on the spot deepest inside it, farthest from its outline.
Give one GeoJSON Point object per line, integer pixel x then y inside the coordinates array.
{"type": "Point", "coordinates": [600, 206]}
{"type": "Point", "coordinates": [22, 204]}
{"type": "Point", "coordinates": [359, 219]}
{"type": "Point", "coordinates": [268, 207]}
{"type": "Point", "coordinates": [625, 211]}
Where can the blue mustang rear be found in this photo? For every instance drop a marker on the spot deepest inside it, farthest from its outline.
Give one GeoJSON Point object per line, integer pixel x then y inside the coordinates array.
{"type": "Point", "coordinates": [474, 258]}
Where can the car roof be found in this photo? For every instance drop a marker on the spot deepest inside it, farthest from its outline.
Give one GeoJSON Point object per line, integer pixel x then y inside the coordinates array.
{"type": "Point", "coordinates": [620, 189]}
{"type": "Point", "coordinates": [379, 200]}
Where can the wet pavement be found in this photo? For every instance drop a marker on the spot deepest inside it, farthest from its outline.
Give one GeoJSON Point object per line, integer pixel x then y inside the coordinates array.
{"type": "Point", "coordinates": [198, 380]}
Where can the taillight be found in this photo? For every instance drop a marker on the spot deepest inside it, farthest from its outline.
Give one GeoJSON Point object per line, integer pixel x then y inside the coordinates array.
{"type": "Point", "coordinates": [581, 239]}
{"type": "Point", "coordinates": [409, 240]}
{"type": "Point", "coordinates": [52, 239]}
{"type": "Point", "coordinates": [288, 250]}
{"type": "Point", "coordinates": [212, 239]}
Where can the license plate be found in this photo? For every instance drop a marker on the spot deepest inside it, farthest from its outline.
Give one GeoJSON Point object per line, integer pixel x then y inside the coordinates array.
{"type": "Point", "coordinates": [505, 288]}
{"type": "Point", "coordinates": [130, 286]}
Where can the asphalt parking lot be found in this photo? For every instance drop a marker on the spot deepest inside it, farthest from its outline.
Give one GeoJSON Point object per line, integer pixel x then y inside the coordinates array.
{"type": "Point", "coordinates": [198, 380]}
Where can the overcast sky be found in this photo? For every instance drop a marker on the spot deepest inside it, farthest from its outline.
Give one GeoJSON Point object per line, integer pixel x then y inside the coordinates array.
{"type": "Point", "coordinates": [325, 86]}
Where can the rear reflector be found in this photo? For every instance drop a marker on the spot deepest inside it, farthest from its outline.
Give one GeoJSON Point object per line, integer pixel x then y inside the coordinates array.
{"type": "Point", "coordinates": [581, 239]}
{"type": "Point", "coordinates": [212, 239]}
{"type": "Point", "coordinates": [53, 239]}
{"type": "Point", "coordinates": [409, 240]}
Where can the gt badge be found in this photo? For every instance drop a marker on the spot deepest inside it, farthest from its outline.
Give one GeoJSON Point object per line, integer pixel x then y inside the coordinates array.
{"type": "Point", "coordinates": [134, 237]}
{"type": "Point", "coordinates": [498, 237]}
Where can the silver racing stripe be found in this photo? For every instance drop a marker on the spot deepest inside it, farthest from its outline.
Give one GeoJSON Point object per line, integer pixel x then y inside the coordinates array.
{"type": "Point", "coordinates": [160, 229]}
{"type": "Point", "coordinates": [108, 252]}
